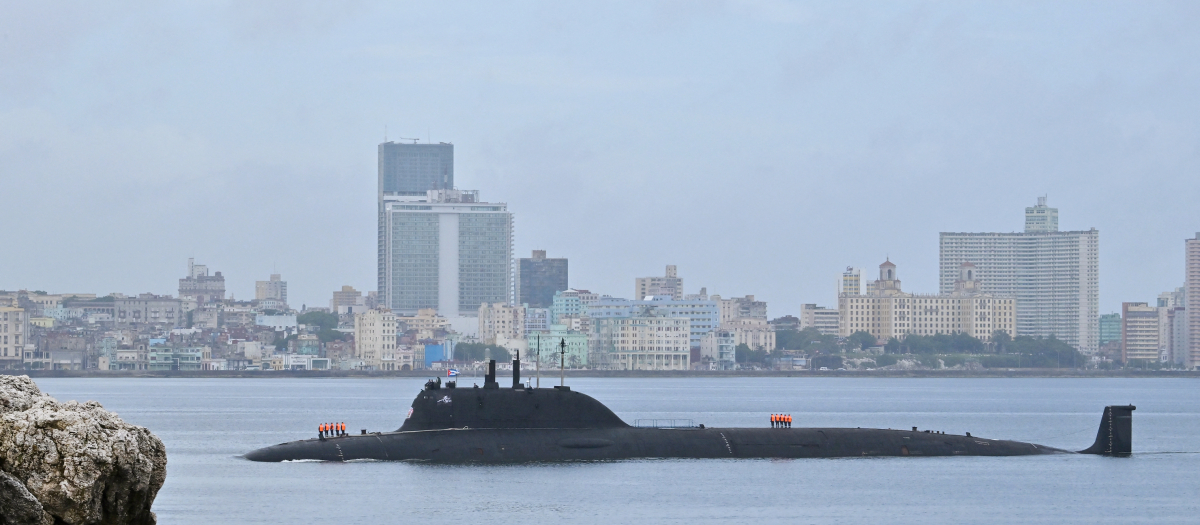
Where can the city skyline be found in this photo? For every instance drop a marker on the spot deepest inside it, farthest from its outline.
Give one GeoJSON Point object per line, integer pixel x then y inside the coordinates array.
{"type": "Point", "coordinates": [831, 148]}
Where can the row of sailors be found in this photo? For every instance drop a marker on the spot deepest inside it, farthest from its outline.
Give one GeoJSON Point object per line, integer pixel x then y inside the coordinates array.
{"type": "Point", "coordinates": [325, 430]}
{"type": "Point", "coordinates": [781, 421]}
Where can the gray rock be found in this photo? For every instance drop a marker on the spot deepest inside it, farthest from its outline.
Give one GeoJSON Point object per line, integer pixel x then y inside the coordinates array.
{"type": "Point", "coordinates": [18, 506]}
{"type": "Point", "coordinates": [82, 463]}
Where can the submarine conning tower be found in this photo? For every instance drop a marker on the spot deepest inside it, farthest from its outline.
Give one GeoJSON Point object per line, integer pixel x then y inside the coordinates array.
{"type": "Point", "coordinates": [437, 407]}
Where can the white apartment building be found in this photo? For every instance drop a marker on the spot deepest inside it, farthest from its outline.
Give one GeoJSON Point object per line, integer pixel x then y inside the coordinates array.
{"type": "Point", "coordinates": [641, 343]}
{"type": "Point", "coordinates": [1192, 310]}
{"type": "Point", "coordinates": [1139, 332]}
{"type": "Point", "coordinates": [825, 320]}
{"type": "Point", "coordinates": [426, 322]}
{"type": "Point", "coordinates": [1053, 275]}
{"type": "Point", "coordinates": [500, 321]}
{"type": "Point", "coordinates": [444, 250]}
{"type": "Point", "coordinates": [890, 312]}
{"type": "Point", "coordinates": [14, 326]}
{"type": "Point", "coordinates": [757, 334]}
{"type": "Point", "coordinates": [375, 337]}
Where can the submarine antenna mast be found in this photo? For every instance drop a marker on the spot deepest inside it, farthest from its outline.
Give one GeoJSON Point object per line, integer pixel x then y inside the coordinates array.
{"type": "Point", "coordinates": [538, 357]}
{"type": "Point", "coordinates": [562, 357]}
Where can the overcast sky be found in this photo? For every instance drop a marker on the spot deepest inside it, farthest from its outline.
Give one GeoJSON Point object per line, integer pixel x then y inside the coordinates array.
{"type": "Point", "coordinates": [760, 146]}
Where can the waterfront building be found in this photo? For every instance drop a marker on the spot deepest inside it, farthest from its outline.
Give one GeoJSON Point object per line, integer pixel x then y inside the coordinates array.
{"type": "Point", "coordinates": [824, 320]}
{"type": "Point", "coordinates": [446, 250]}
{"type": "Point", "coordinates": [670, 285]}
{"type": "Point", "coordinates": [539, 279]}
{"type": "Point", "coordinates": [409, 170]}
{"type": "Point", "coordinates": [545, 347]}
{"type": "Point", "coordinates": [164, 358]}
{"type": "Point", "coordinates": [1192, 308]}
{"type": "Point", "coordinates": [276, 289]}
{"type": "Point", "coordinates": [646, 340]}
{"type": "Point", "coordinates": [201, 286]}
{"type": "Point", "coordinates": [1139, 332]}
{"type": "Point", "coordinates": [703, 316]}
{"type": "Point", "coordinates": [718, 350]}
{"type": "Point", "coordinates": [374, 336]}
{"type": "Point", "coordinates": [1110, 328]}
{"type": "Point", "coordinates": [1053, 275]}
{"type": "Point", "coordinates": [14, 326]}
{"type": "Point", "coordinates": [890, 312]}
{"type": "Point", "coordinates": [754, 333]}
{"type": "Point", "coordinates": [501, 321]}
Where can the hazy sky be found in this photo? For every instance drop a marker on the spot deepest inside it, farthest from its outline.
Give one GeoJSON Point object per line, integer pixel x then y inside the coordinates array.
{"type": "Point", "coordinates": [760, 146]}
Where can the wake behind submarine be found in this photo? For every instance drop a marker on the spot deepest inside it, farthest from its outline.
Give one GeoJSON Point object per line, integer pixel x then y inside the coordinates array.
{"type": "Point", "coordinates": [519, 424]}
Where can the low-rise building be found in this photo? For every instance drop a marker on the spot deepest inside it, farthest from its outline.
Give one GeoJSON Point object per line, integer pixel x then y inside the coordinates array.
{"type": "Point", "coordinates": [547, 347]}
{"type": "Point", "coordinates": [644, 341]}
{"type": "Point", "coordinates": [890, 312]}
{"type": "Point", "coordinates": [718, 350]}
{"type": "Point", "coordinates": [14, 327]}
{"type": "Point", "coordinates": [164, 358]}
{"type": "Point", "coordinates": [824, 320]}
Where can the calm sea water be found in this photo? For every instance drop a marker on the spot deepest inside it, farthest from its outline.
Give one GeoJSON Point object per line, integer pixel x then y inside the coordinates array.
{"type": "Point", "coordinates": [207, 423]}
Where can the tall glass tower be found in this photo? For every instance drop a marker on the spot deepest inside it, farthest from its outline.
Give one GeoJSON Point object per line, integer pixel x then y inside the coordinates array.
{"type": "Point", "coordinates": [407, 170]}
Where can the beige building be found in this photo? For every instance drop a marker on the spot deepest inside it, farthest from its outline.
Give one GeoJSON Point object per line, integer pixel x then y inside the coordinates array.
{"type": "Point", "coordinates": [426, 322]}
{"type": "Point", "coordinates": [501, 321]}
{"type": "Point", "coordinates": [375, 337]}
{"type": "Point", "coordinates": [889, 312]}
{"type": "Point", "coordinates": [757, 334]}
{"type": "Point", "coordinates": [641, 343]}
{"type": "Point", "coordinates": [736, 308]}
{"type": "Point", "coordinates": [14, 326]}
{"type": "Point", "coordinates": [347, 301]}
{"type": "Point", "coordinates": [1139, 332]}
{"type": "Point", "coordinates": [276, 289]}
{"type": "Point", "coordinates": [670, 285]}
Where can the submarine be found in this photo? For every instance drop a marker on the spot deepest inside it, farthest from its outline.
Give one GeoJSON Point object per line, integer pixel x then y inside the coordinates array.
{"type": "Point", "coordinates": [451, 424]}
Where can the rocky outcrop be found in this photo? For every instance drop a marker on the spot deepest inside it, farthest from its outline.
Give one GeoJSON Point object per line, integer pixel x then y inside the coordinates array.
{"type": "Point", "coordinates": [73, 463]}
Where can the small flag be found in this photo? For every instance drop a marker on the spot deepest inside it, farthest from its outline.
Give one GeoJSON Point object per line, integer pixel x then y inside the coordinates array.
{"type": "Point", "coordinates": [453, 372]}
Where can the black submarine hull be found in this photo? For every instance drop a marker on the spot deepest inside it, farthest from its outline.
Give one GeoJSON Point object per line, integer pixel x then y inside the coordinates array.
{"type": "Point", "coordinates": [494, 425]}
{"type": "Point", "coordinates": [527, 445]}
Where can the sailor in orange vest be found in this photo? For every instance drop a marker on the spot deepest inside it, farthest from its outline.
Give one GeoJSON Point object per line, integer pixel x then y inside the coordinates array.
{"type": "Point", "coordinates": [321, 431]}
{"type": "Point", "coordinates": [788, 420]}
{"type": "Point", "coordinates": [772, 420]}
{"type": "Point", "coordinates": [341, 429]}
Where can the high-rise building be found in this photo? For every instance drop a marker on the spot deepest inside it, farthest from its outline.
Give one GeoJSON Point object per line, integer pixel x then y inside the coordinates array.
{"type": "Point", "coordinates": [276, 289]}
{"type": "Point", "coordinates": [539, 278]}
{"type": "Point", "coordinates": [890, 312]}
{"type": "Point", "coordinates": [375, 337]}
{"type": "Point", "coordinates": [410, 170]}
{"type": "Point", "coordinates": [670, 285]}
{"type": "Point", "coordinates": [447, 251]}
{"type": "Point", "coordinates": [501, 322]}
{"type": "Point", "coordinates": [1139, 332]}
{"type": "Point", "coordinates": [645, 340]}
{"type": "Point", "coordinates": [1041, 218]}
{"type": "Point", "coordinates": [201, 286]}
{"type": "Point", "coordinates": [852, 281]}
{"type": "Point", "coordinates": [1110, 328]}
{"type": "Point", "coordinates": [1192, 309]}
{"type": "Point", "coordinates": [1054, 275]}
{"type": "Point", "coordinates": [825, 320]}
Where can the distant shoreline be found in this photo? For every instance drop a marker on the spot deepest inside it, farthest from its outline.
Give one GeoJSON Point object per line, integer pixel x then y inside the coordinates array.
{"type": "Point", "coordinates": [549, 376]}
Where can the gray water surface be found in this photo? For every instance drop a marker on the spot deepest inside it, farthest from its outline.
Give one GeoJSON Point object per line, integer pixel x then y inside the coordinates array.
{"type": "Point", "coordinates": [207, 423]}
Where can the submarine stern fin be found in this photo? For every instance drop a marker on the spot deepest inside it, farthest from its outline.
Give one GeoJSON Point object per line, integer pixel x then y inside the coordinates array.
{"type": "Point", "coordinates": [1115, 436]}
